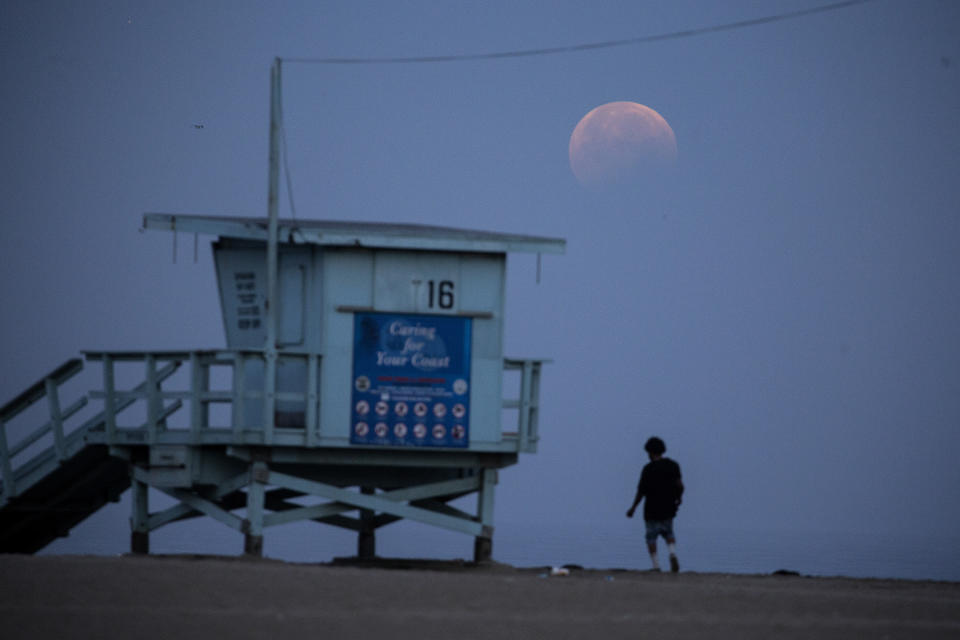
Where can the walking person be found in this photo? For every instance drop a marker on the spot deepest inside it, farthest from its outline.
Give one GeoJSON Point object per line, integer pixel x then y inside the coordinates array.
{"type": "Point", "coordinates": [661, 484]}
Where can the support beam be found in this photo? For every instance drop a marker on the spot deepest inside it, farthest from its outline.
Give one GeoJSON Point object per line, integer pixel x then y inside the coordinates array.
{"type": "Point", "coordinates": [205, 507]}
{"type": "Point", "coordinates": [315, 512]}
{"type": "Point", "coordinates": [377, 503]}
{"type": "Point", "coordinates": [139, 516]}
{"type": "Point", "coordinates": [429, 497]}
{"type": "Point", "coordinates": [482, 549]}
{"type": "Point", "coordinates": [267, 495]}
{"type": "Point", "coordinates": [235, 483]}
{"type": "Point", "coordinates": [367, 537]}
{"type": "Point", "coordinates": [438, 506]}
{"type": "Point", "coordinates": [483, 544]}
{"type": "Point", "coordinates": [179, 511]}
{"type": "Point", "coordinates": [253, 525]}
{"type": "Point", "coordinates": [183, 511]}
{"type": "Point", "coordinates": [435, 489]}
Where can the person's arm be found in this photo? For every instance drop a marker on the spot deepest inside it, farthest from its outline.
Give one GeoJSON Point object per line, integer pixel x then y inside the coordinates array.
{"type": "Point", "coordinates": [636, 501]}
{"type": "Point", "coordinates": [637, 498]}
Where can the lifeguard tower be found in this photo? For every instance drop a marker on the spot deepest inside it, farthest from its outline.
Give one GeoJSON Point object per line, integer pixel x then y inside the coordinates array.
{"type": "Point", "coordinates": [362, 383]}
{"type": "Point", "coordinates": [383, 397]}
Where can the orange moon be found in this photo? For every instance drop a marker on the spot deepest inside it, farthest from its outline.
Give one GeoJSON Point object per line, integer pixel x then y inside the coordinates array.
{"type": "Point", "coordinates": [618, 142]}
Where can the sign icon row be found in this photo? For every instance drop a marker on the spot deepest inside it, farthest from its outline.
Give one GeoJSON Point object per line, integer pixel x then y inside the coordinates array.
{"type": "Point", "coordinates": [400, 430]}
{"type": "Point", "coordinates": [400, 409]}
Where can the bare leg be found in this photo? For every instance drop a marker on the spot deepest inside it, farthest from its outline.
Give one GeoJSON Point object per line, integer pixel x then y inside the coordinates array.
{"type": "Point", "coordinates": [652, 548]}
{"type": "Point", "coordinates": [674, 563]}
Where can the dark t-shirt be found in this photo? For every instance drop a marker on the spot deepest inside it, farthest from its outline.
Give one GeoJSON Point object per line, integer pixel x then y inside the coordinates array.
{"type": "Point", "coordinates": [660, 484]}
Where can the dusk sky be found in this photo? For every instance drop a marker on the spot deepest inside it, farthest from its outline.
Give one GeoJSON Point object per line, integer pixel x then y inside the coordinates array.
{"type": "Point", "coordinates": [782, 308]}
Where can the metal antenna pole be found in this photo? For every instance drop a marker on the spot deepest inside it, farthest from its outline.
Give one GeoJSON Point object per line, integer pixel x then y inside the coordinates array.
{"type": "Point", "coordinates": [271, 303]}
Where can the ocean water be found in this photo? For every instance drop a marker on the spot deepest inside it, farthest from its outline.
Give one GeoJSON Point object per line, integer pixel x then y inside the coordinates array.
{"type": "Point", "coordinates": [617, 544]}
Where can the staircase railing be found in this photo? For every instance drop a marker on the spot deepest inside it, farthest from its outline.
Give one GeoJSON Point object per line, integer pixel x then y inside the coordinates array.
{"type": "Point", "coordinates": [47, 388]}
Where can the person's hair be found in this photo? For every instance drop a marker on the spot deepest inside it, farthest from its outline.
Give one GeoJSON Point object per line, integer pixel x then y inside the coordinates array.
{"type": "Point", "coordinates": [655, 446]}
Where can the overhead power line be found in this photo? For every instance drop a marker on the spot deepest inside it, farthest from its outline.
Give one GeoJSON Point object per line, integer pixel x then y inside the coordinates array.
{"type": "Point", "coordinates": [523, 53]}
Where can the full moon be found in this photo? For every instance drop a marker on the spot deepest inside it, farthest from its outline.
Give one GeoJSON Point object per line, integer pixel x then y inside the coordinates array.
{"type": "Point", "coordinates": [619, 142]}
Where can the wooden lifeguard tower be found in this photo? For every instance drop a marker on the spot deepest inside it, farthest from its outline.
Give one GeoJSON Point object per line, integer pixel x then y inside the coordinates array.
{"type": "Point", "coordinates": [384, 396]}
{"type": "Point", "coordinates": [362, 384]}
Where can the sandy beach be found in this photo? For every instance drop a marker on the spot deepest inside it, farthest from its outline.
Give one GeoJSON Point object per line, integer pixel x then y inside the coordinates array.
{"type": "Point", "coordinates": [222, 597]}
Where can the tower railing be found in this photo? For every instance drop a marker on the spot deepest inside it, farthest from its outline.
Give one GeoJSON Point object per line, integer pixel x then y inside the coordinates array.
{"type": "Point", "coordinates": [222, 391]}
{"type": "Point", "coordinates": [527, 403]}
{"type": "Point", "coordinates": [218, 398]}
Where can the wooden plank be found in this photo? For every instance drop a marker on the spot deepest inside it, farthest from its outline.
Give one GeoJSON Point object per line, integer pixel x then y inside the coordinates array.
{"type": "Point", "coordinates": [434, 489]}
{"type": "Point", "coordinates": [306, 513]}
{"type": "Point", "coordinates": [206, 507]}
{"type": "Point", "coordinates": [179, 511]}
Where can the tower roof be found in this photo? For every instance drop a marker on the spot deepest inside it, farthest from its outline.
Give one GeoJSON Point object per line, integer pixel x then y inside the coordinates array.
{"type": "Point", "coordinates": [358, 234]}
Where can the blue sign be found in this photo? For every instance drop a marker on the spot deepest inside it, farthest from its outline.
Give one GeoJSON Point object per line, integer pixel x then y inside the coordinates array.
{"type": "Point", "coordinates": [411, 380]}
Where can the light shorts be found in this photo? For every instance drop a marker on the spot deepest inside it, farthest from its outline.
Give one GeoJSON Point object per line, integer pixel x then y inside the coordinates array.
{"type": "Point", "coordinates": [659, 528]}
